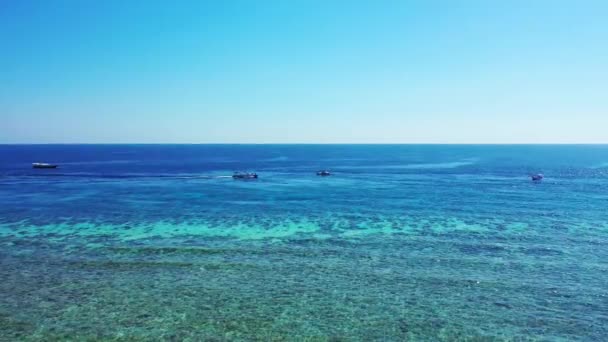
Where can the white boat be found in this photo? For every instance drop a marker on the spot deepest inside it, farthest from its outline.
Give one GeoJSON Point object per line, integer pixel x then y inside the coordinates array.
{"type": "Point", "coordinates": [245, 175]}
{"type": "Point", "coordinates": [44, 166]}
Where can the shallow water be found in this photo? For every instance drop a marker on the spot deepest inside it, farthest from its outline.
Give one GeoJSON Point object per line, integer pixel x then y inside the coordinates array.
{"type": "Point", "coordinates": [411, 242]}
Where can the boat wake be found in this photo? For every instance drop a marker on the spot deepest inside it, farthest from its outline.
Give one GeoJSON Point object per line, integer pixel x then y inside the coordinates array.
{"type": "Point", "coordinates": [112, 176]}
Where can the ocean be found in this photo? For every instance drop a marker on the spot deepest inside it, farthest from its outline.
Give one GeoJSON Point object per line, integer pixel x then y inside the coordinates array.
{"type": "Point", "coordinates": [401, 242]}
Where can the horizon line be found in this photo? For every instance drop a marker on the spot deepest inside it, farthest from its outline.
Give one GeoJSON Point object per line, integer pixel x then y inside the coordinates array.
{"type": "Point", "coordinates": [301, 143]}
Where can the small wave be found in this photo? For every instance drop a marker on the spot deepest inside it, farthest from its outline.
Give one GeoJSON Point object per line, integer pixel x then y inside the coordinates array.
{"type": "Point", "coordinates": [276, 159]}
{"type": "Point", "coordinates": [446, 165]}
{"type": "Point", "coordinates": [449, 165]}
{"type": "Point", "coordinates": [600, 165]}
{"type": "Point", "coordinates": [115, 176]}
{"type": "Point", "coordinates": [102, 162]}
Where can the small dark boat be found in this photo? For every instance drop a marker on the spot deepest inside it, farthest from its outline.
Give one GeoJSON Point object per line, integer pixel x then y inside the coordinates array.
{"type": "Point", "coordinates": [537, 177]}
{"type": "Point", "coordinates": [323, 173]}
{"type": "Point", "coordinates": [44, 166]}
{"type": "Point", "coordinates": [245, 175]}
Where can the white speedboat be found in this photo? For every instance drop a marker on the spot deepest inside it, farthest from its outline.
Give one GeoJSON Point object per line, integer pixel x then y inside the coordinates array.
{"type": "Point", "coordinates": [44, 166]}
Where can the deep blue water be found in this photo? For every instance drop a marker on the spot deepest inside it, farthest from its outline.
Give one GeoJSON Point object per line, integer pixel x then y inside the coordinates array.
{"type": "Point", "coordinates": [416, 242]}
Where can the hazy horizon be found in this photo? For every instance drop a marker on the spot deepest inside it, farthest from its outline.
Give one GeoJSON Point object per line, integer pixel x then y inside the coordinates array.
{"type": "Point", "coordinates": [321, 144]}
{"type": "Point", "coordinates": [269, 72]}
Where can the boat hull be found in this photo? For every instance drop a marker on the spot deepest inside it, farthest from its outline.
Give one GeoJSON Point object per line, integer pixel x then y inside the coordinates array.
{"type": "Point", "coordinates": [245, 176]}
{"type": "Point", "coordinates": [44, 166]}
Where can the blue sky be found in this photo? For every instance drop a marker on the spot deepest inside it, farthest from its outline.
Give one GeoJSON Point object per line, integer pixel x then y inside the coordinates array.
{"type": "Point", "coordinates": [304, 71]}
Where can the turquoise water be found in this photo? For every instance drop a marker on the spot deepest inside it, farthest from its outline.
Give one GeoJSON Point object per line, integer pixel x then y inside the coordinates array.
{"type": "Point", "coordinates": [411, 242]}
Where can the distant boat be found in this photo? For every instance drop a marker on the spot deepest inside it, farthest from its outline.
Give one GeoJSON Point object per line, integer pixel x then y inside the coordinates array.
{"type": "Point", "coordinates": [245, 175]}
{"type": "Point", "coordinates": [323, 173]}
{"type": "Point", "coordinates": [44, 166]}
{"type": "Point", "coordinates": [537, 177]}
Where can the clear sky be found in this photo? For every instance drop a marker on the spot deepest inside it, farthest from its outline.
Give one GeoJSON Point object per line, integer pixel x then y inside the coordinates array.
{"type": "Point", "coordinates": [327, 71]}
